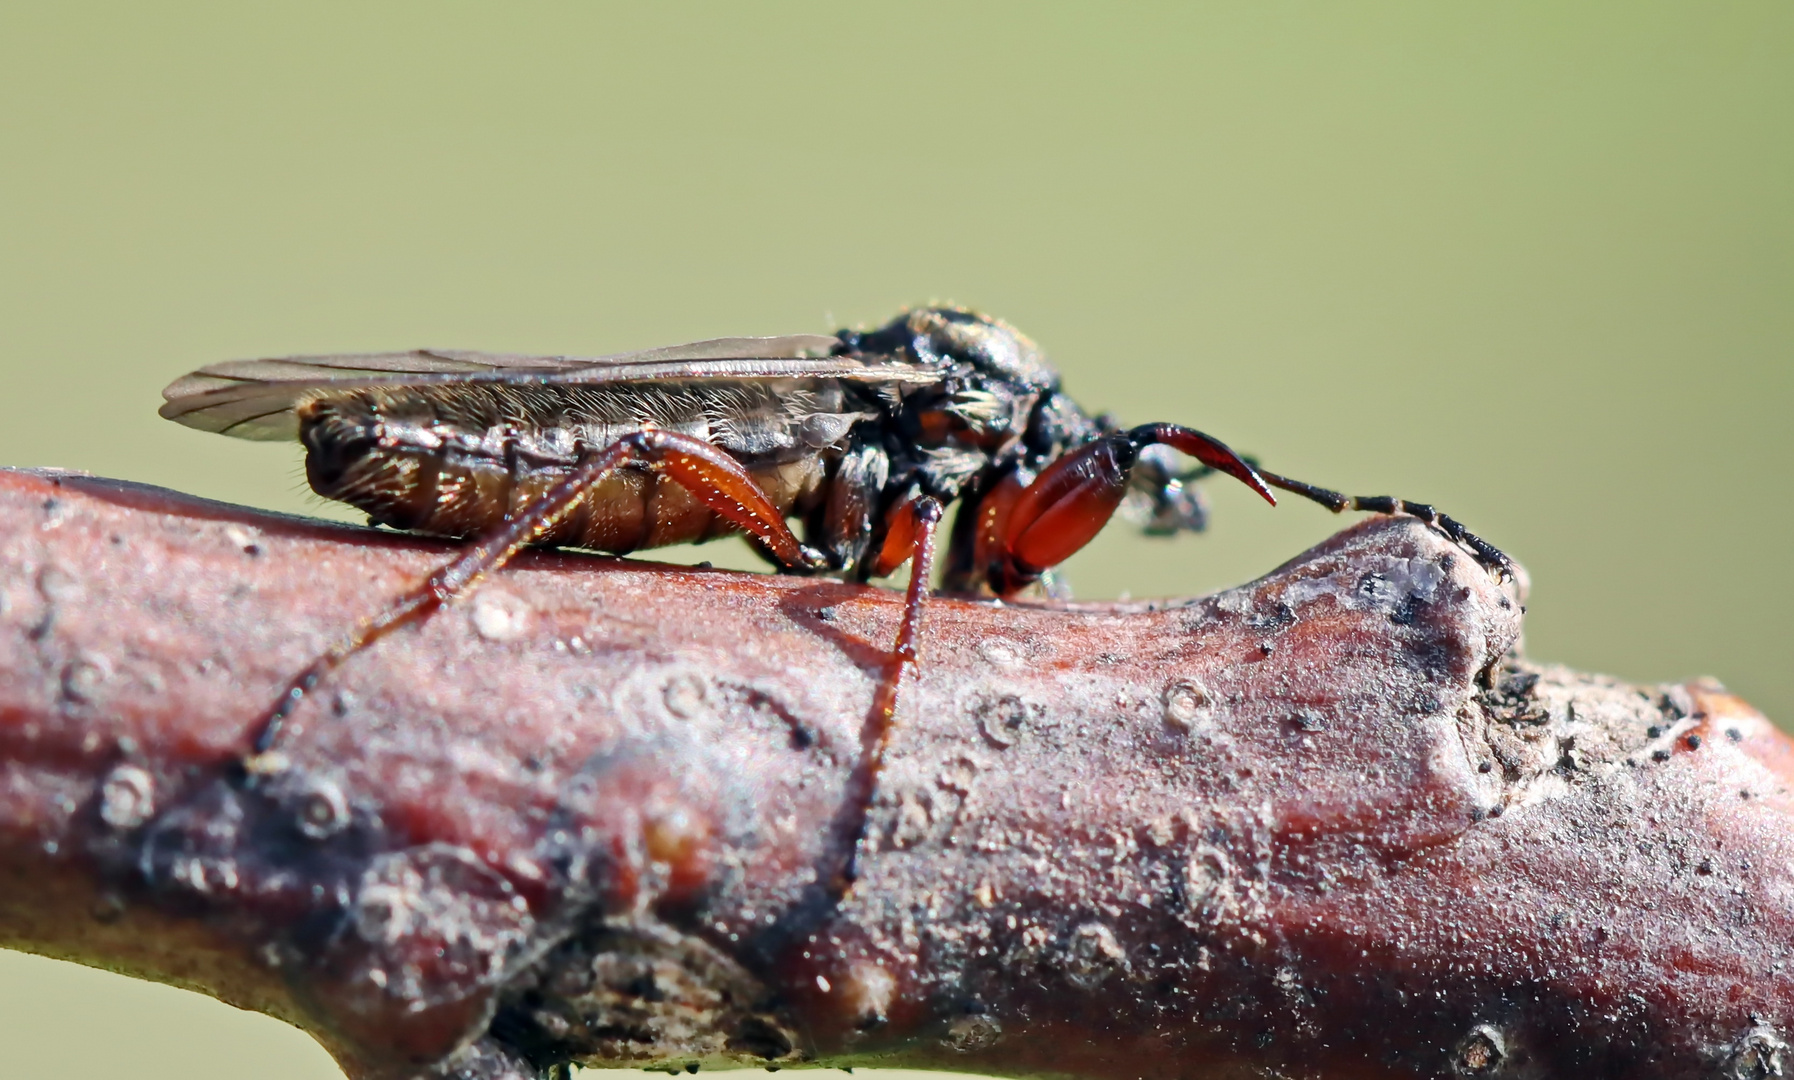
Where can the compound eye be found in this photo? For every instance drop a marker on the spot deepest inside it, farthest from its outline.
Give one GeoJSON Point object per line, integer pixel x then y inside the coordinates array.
{"type": "Point", "coordinates": [1177, 507]}
{"type": "Point", "coordinates": [1161, 500]}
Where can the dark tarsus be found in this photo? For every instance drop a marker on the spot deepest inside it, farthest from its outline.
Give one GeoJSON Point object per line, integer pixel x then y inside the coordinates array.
{"type": "Point", "coordinates": [866, 444]}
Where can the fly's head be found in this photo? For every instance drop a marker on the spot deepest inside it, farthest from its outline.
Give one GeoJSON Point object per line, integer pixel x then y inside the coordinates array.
{"type": "Point", "coordinates": [1162, 500]}
{"type": "Point", "coordinates": [993, 376]}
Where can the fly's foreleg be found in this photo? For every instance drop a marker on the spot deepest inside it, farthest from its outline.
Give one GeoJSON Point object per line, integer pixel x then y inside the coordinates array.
{"type": "Point", "coordinates": [714, 477]}
{"type": "Point", "coordinates": [1486, 553]}
{"type": "Point", "coordinates": [1024, 530]}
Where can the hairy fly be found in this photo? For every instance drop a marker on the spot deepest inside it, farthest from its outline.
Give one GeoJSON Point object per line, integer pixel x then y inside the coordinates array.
{"type": "Point", "coordinates": [861, 439]}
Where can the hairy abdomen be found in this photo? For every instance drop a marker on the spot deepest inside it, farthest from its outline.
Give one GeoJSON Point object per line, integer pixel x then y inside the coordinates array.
{"type": "Point", "coordinates": [399, 460]}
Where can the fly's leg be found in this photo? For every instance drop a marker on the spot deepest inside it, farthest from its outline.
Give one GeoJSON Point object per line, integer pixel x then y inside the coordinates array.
{"type": "Point", "coordinates": [717, 479]}
{"type": "Point", "coordinates": [1025, 530]}
{"type": "Point", "coordinates": [1022, 532]}
{"type": "Point", "coordinates": [910, 538]}
{"type": "Point", "coordinates": [1491, 557]}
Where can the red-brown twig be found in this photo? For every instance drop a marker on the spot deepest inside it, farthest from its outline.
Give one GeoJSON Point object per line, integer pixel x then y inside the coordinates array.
{"type": "Point", "coordinates": [1324, 824]}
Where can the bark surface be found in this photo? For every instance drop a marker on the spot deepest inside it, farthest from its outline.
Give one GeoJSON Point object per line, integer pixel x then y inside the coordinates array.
{"type": "Point", "coordinates": [1326, 824]}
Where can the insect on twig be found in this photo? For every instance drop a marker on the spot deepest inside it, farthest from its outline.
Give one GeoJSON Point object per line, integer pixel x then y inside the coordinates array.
{"type": "Point", "coordinates": [865, 437]}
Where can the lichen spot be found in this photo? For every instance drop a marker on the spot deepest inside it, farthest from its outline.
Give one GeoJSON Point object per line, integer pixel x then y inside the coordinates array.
{"type": "Point", "coordinates": [866, 992]}
{"type": "Point", "coordinates": [1480, 1052]}
{"type": "Point", "coordinates": [686, 695]}
{"type": "Point", "coordinates": [127, 797]}
{"type": "Point", "coordinates": [1186, 704]}
{"type": "Point", "coordinates": [971, 1033]}
{"type": "Point", "coordinates": [1093, 955]}
{"type": "Point", "coordinates": [499, 616]}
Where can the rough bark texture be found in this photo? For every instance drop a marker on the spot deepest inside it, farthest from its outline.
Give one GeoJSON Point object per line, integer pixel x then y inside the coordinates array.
{"type": "Point", "coordinates": [1325, 824]}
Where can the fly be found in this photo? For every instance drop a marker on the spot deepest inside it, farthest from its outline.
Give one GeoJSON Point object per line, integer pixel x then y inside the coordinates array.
{"type": "Point", "coordinates": [864, 438]}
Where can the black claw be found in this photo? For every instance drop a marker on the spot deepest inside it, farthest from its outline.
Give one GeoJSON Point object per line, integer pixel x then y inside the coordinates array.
{"type": "Point", "coordinates": [1492, 557]}
{"type": "Point", "coordinates": [1488, 555]}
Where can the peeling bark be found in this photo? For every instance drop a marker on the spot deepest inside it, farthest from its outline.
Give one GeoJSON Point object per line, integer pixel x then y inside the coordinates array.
{"type": "Point", "coordinates": [1325, 824]}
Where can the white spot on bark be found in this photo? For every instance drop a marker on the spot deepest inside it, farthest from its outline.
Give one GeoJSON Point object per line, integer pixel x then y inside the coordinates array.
{"type": "Point", "coordinates": [127, 797]}
{"type": "Point", "coordinates": [500, 616]}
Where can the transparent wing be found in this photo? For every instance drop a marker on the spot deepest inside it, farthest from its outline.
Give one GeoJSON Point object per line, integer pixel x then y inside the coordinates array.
{"type": "Point", "coordinates": [255, 399]}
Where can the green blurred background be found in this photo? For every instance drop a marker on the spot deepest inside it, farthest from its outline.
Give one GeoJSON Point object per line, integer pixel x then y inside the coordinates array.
{"type": "Point", "coordinates": [1533, 262]}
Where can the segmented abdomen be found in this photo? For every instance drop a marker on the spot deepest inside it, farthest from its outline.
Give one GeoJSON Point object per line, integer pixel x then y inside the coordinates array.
{"type": "Point", "coordinates": [398, 459]}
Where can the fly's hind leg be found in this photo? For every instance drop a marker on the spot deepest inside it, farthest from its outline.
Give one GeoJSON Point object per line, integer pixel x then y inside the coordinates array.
{"type": "Point", "coordinates": [1491, 557]}
{"type": "Point", "coordinates": [716, 478]}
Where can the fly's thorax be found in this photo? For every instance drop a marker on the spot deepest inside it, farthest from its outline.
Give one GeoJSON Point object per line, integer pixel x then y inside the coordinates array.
{"type": "Point", "coordinates": [960, 342]}
{"type": "Point", "coordinates": [996, 404]}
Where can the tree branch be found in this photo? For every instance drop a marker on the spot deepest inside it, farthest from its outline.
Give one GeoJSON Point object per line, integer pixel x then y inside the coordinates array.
{"type": "Point", "coordinates": [1325, 824]}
